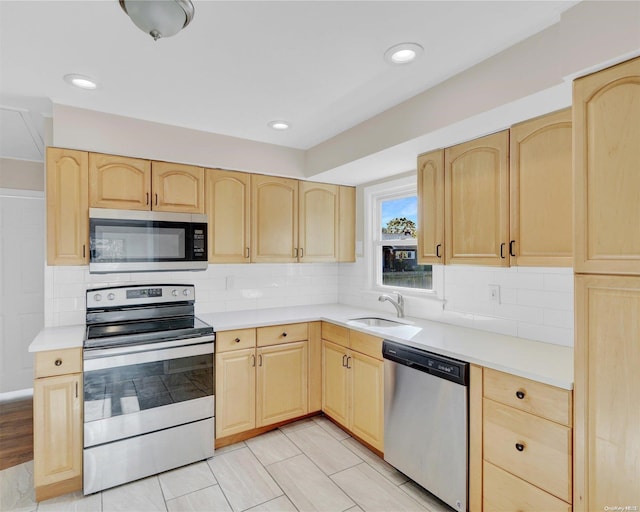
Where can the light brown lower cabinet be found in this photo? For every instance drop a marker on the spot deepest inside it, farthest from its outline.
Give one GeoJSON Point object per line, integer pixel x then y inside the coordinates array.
{"type": "Point", "coordinates": [352, 387]}
{"type": "Point", "coordinates": [262, 385]}
{"type": "Point", "coordinates": [57, 435]}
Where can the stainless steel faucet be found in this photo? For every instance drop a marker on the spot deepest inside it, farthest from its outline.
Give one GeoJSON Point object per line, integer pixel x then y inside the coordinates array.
{"type": "Point", "coordinates": [399, 304]}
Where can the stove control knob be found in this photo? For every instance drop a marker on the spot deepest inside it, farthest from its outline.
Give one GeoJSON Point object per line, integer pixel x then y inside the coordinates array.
{"type": "Point", "coordinates": [186, 292]}
{"type": "Point", "coordinates": [174, 293]}
{"type": "Point", "coordinates": [97, 297]}
{"type": "Point", "coordinates": [111, 296]}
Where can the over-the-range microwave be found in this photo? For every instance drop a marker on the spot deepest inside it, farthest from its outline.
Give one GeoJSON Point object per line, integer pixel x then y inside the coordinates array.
{"type": "Point", "coordinates": [146, 241]}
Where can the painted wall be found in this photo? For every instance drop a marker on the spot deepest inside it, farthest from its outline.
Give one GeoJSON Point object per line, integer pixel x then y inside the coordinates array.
{"type": "Point", "coordinates": [21, 174]}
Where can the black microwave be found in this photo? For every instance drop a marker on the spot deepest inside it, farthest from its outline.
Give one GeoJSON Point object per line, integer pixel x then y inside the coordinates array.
{"type": "Point", "coordinates": [146, 241]}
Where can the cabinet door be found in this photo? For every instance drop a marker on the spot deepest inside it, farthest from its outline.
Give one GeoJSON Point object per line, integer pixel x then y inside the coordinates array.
{"type": "Point", "coordinates": [282, 383]}
{"type": "Point", "coordinates": [177, 187]}
{"type": "Point", "coordinates": [346, 224]}
{"type": "Point", "coordinates": [541, 183]}
{"type": "Point", "coordinates": [57, 435]}
{"type": "Point", "coordinates": [274, 219]}
{"type": "Point", "coordinates": [607, 416]}
{"type": "Point", "coordinates": [334, 382]}
{"type": "Point", "coordinates": [366, 416]}
{"type": "Point", "coordinates": [318, 222]}
{"type": "Point", "coordinates": [431, 207]}
{"type": "Point", "coordinates": [477, 201]}
{"type": "Point", "coordinates": [228, 205]}
{"type": "Point", "coordinates": [119, 182]}
{"type": "Point", "coordinates": [606, 110]}
{"type": "Point", "coordinates": [67, 207]}
{"type": "Point", "coordinates": [235, 392]}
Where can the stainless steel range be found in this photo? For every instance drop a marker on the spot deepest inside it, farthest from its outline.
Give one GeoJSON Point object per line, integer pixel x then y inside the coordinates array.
{"type": "Point", "coordinates": [148, 383]}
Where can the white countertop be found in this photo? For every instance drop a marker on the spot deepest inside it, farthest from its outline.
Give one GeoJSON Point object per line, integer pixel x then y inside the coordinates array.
{"type": "Point", "coordinates": [543, 362]}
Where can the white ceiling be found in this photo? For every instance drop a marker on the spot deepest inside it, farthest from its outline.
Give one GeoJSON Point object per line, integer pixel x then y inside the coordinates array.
{"type": "Point", "coordinates": [241, 64]}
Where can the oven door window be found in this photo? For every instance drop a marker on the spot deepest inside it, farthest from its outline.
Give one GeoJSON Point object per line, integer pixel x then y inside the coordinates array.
{"type": "Point", "coordinates": [121, 390]}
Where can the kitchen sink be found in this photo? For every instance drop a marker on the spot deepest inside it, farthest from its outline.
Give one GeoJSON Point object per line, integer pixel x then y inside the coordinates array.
{"type": "Point", "coordinates": [371, 321]}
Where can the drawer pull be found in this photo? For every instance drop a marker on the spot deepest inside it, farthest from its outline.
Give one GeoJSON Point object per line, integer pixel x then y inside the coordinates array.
{"type": "Point", "coordinates": [520, 394]}
{"type": "Point", "coordinates": [58, 362]}
{"type": "Point", "coordinates": [520, 447]}
{"type": "Point", "coordinates": [237, 340]}
{"type": "Point", "coordinates": [284, 334]}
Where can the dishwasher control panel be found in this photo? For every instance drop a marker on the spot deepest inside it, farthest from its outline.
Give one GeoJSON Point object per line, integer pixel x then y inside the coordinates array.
{"type": "Point", "coordinates": [444, 367]}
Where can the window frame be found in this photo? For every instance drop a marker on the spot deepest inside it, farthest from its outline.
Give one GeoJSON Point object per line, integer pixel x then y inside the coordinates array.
{"type": "Point", "coordinates": [375, 195]}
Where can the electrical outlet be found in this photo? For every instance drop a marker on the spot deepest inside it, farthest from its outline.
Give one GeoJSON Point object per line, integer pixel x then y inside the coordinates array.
{"type": "Point", "coordinates": [494, 293]}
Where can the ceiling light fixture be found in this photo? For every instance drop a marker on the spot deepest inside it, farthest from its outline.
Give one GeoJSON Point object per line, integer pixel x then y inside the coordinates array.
{"type": "Point", "coordinates": [159, 18]}
{"type": "Point", "coordinates": [279, 125]}
{"type": "Point", "coordinates": [81, 81]}
{"type": "Point", "coordinates": [403, 53]}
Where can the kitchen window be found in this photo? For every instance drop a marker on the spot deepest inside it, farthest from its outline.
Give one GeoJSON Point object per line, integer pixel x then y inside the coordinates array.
{"type": "Point", "coordinates": [393, 232]}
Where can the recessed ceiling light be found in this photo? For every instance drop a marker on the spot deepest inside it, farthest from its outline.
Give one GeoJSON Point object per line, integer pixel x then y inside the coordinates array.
{"type": "Point", "coordinates": [81, 81]}
{"type": "Point", "coordinates": [403, 53]}
{"type": "Point", "coordinates": [279, 125]}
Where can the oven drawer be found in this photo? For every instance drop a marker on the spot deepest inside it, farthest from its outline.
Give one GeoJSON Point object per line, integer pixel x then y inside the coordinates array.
{"type": "Point", "coordinates": [529, 396]}
{"type": "Point", "coordinates": [58, 362]}
{"type": "Point", "coordinates": [535, 449]}
{"type": "Point", "coordinates": [235, 340]}
{"type": "Point", "coordinates": [285, 333]}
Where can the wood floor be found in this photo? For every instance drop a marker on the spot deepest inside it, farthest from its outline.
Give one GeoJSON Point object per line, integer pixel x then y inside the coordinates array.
{"type": "Point", "coordinates": [16, 432]}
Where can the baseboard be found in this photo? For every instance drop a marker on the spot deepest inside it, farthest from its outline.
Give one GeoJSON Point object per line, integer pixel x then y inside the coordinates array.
{"type": "Point", "coordinates": [20, 394]}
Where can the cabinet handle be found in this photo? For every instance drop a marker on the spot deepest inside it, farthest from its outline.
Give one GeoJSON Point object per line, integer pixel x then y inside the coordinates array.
{"type": "Point", "coordinates": [76, 390]}
{"type": "Point", "coordinates": [295, 252]}
{"type": "Point", "coordinates": [502, 250]}
{"type": "Point", "coordinates": [438, 254]}
{"type": "Point", "coordinates": [247, 252]}
{"type": "Point", "coordinates": [520, 394]}
{"type": "Point", "coordinates": [259, 359]}
{"type": "Point", "coordinates": [147, 198]}
{"type": "Point", "coordinates": [348, 367]}
{"type": "Point", "coordinates": [284, 334]}
{"type": "Point", "coordinates": [237, 340]}
{"type": "Point", "coordinates": [344, 363]}
{"type": "Point", "coordinates": [301, 252]}
{"type": "Point", "coordinates": [156, 199]}
{"type": "Point", "coordinates": [253, 360]}
{"type": "Point", "coordinates": [84, 251]}
{"type": "Point", "coordinates": [58, 362]}
{"type": "Point", "coordinates": [511, 247]}
{"type": "Point", "coordinates": [520, 447]}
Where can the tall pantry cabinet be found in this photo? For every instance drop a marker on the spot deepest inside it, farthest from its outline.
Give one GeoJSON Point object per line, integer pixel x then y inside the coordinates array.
{"type": "Point", "coordinates": [606, 120]}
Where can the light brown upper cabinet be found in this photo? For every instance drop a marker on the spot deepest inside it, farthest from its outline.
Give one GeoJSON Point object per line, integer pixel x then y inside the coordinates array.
{"type": "Point", "coordinates": [477, 201]}
{"type": "Point", "coordinates": [346, 224]}
{"type": "Point", "coordinates": [67, 207]}
{"type": "Point", "coordinates": [431, 207]}
{"type": "Point", "coordinates": [177, 187]}
{"type": "Point", "coordinates": [136, 184]}
{"type": "Point", "coordinates": [274, 219]}
{"type": "Point", "coordinates": [228, 207]}
{"type": "Point", "coordinates": [119, 182]}
{"type": "Point", "coordinates": [606, 121]}
{"type": "Point", "coordinates": [541, 183]}
{"type": "Point", "coordinates": [318, 222]}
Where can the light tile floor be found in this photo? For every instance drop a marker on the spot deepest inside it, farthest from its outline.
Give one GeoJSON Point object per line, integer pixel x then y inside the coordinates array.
{"type": "Point", "coordinates": [308, 465]}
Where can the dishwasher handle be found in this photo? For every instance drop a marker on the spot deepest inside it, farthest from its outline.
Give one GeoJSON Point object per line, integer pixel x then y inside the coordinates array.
{"type": "Point", "coordinates": [443, 367]}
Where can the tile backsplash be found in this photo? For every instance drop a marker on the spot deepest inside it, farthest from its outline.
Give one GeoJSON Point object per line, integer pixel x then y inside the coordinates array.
{"type": "Point", "coordinates": [534, 303]}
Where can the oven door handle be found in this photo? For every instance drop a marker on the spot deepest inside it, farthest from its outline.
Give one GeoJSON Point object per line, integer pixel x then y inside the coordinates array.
{"type": "Point", "coordinates": [94, 353]}
{"type": "Point", "coordinates": [151, 355]}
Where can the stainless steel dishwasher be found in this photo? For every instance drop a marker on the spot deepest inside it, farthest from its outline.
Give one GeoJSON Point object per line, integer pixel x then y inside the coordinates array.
{"type": "Point", "coordinates": [426, 420]}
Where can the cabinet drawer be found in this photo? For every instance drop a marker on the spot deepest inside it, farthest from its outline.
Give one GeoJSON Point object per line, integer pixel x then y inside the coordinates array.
{"type": "Point", "coordinates": [58, 362]}
{"type": "Point", "coordinates": [366, 344]}
{"type": "Point", "coordinates": [504, 492]}
{"type": "Point", "coordinates": [235, 340]}
{"type": "Point", "coordinates": [335, 333]}
{"type": "Point", "coordinates": [535, 449]}
{"type": "Point", "coordinates": [285, 333]}
{"type": "Point", "coordinates": [530, 396]}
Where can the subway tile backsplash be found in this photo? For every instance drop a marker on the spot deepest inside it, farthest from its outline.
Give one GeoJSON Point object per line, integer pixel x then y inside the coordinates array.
{"type": "Point", "coordinates": [535, 303]}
